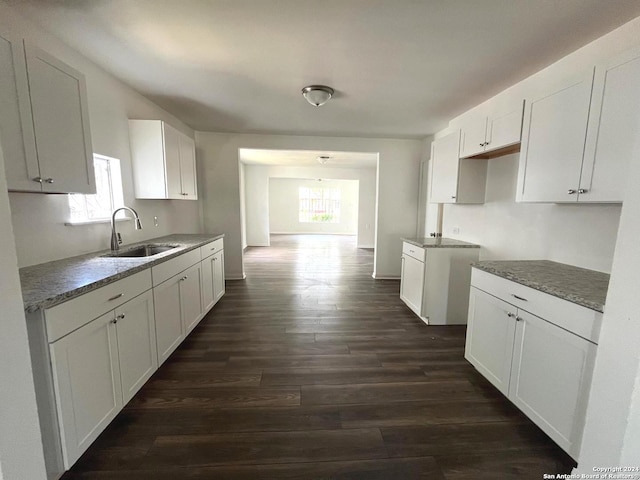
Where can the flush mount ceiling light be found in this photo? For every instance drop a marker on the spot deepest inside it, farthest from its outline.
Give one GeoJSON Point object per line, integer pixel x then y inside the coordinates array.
{"type": "Point", "coordinates": [317, 95]}
{"type": "Point", "coordinates": [322, 159]}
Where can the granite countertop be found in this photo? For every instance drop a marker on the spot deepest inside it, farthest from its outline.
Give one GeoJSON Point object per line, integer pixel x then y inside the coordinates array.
{"type": "Point", "coordinates": [51, 283]}
{"type": "Point", "coordinates": [587, 288]}
{"type": "Point", "coordinates": [440, 242]}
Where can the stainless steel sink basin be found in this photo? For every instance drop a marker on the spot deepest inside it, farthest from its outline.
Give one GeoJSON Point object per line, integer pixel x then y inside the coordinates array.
{"type": "Point", "coordinates": [141, 251]}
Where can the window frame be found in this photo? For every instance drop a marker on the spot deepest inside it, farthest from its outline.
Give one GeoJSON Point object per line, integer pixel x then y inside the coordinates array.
{"type": "Point", "coordinates": [115, 193]}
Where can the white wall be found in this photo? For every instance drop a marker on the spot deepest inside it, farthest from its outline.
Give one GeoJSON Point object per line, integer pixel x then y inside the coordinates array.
{"type": "Point", "coordinates": [284, 206]}
{"type": "Point", "coordinates": [21, 453]}
{"type": "Point", "coordinates": [257, 198]}
{"type": "Point", "coordinates": [38, 220]}
{"type": "Point", "coordinates": [243, 206]}
{"type": "Point", "coordinates": [581, 235]}
{"type": "Point", "coordinates": [612, 431]}
{"type": "Point", "coordinates": [398, 168]}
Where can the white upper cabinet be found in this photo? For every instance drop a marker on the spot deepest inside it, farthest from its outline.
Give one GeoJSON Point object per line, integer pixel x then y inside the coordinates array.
{"type": "Point", "coordinates": [578, 139]}
{"type": "Point", "coordinates": [488, 136]}
{"type": "Point", "coordinates": [614, 128]}
{"type": "Point", "coordinates": [553, 139]}
{"type": "Point", "coordinates": [164, 161]}
{"type": "Point", "coordinates": [44, 126]}
{"type": "Point", "coordinates": [472, 139]}
{"type": "Point", "coordinates": [455, 180]}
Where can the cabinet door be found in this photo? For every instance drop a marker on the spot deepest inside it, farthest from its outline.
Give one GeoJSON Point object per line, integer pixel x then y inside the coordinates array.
{"type": "Point", "coordinates": [218, 276]}
{"type": "Point", "coordinates": [188, 168]}
{"type": "Point", "coordinates": [137, 351]}
{"type": "Point", "coordinates": [87, 384]}
{"type": "Point", "coordinates": [550, 380]}
{"type": "Point", "coordinates": [473, 138]}
{"type": "Point", "coordinates": [168, 313]}
{"type": "Point", "coordinates": [191, 297]}
{"type": "Point", "coordinates": [444, 168]}
{"type": "Point", "coordinates": [553, 139]}
{"type": "Point", "coordinates": [16, 125]}
{"type": "Point", "coordinates": [614, 129]}
{"type": "Point", "coordinates": [412, 283]}
{"type": "Point", "coordinates": [207, 284]}
{"type": "Point", "coordinates": [504, 129]}
{"type": "Point", "coordinates": [490, 333]}
{"type": "Point", "coordinates": [171, 144]}
{"type": "Point", "coordinates": [61, 124]}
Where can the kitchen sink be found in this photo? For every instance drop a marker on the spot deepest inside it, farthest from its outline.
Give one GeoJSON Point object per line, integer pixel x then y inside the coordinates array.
{"type": "Point", "coordinates": [141, 251]}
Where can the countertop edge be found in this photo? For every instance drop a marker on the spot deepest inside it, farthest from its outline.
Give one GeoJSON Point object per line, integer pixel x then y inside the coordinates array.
{"type": "Point", "coordinates": [578, 300]}
{"type": "Point", "coordinates": [34, 306]}
{"type": "Point", "coordinates": [426, 243]}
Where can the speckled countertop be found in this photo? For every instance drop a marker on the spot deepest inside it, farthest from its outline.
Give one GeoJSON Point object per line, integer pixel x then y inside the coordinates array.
{"type": "Point", "coordinates": [427, 242]}
{"type": "Point", "coordinates": [51, 283]}
{"type": "Point", "coordinates": [578, 285]}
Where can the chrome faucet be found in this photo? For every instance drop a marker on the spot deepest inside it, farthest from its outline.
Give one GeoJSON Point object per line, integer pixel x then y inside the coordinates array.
{"type": "Point", "coordinates": [116, 239]}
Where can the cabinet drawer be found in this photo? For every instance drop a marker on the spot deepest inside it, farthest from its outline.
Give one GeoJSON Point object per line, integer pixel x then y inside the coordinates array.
{"type": "Point", "coordinates": [67, 317]}
{"type": "Point", "coordinates": [168, 269]}
{"type": "Point", "coordinates": [211, 248]}
{"type": "Point", "coordinates": [570, 316]}
{"type": "Point", "coordinates": [416, 252]}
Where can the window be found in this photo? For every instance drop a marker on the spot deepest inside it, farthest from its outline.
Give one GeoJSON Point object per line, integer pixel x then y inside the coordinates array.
{"type": "Point", "coordinates": [108, 196]}
{"type": "Point", "coordinates": [319, 205]}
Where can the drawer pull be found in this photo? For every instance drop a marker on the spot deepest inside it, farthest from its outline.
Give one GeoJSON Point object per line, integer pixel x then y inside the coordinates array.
{"type": "Point", "coordinates": [115, 297]}
{"type": "Point", "coordinates": [519, 298]}
{"type": "Point", "coordinates": [518, 319]}
{"type": "Point", "coordinates": [121, 316]}
{"type": "Point", "coordinates": [510, 315]}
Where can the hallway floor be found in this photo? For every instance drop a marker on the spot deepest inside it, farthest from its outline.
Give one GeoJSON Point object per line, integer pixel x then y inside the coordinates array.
{"type": "Point", "coordinates": [310, 369]}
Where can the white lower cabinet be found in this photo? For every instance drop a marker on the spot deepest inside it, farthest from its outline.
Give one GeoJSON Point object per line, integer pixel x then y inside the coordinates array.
{"type": "Point", "coordinates": [136, 333]}
{"type": "Point", "coordinates": [191, 297]}
{"type": "Point", "coordinates": [213, 284]}
{"type": "Point", "coordinates": [169, 331]}
{"type": "Point", "coordinates": [490, 334]}
{"type": "Point", "coordinates": [92, 354]}
{"type": "Point", "coordinates": [550, 378]}
{"type": "Point", "coordinates": [544, 368]}
{"type": "Point", "coordinates": [86, 377]}
{"type": "Point", "coordinates": [98, 368]}
{"type": "Point", "coordinates": [412, 283]}
{"type": "Point", "coordinates": [435, 280]}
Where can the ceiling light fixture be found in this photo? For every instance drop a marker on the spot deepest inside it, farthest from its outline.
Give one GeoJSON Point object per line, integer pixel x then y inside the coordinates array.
{"type": "Point", "coordinates": [317, 95]}
{"type": "Point", "coordinates": [322, 159]}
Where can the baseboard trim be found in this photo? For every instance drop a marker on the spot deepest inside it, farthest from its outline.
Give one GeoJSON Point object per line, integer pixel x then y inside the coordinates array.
{"type": "Point", "coordinates": [235, 277]}
{"type": "Point", "coordinates": [258, 245]}
{"type": "Point", "coordinates": [385, 277]}
{"type": "Point", "coordinates": [365, 246]}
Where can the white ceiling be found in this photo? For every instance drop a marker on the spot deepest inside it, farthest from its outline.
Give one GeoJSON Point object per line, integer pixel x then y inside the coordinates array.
{"type": "Point", "coordinates": [308, 158]}
{"type": "Point", "coordinates": [401, 68]}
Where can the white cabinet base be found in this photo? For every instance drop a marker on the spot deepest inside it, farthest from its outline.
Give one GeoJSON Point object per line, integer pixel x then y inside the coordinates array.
{"type": "Point", "coordinates": [437, 289]}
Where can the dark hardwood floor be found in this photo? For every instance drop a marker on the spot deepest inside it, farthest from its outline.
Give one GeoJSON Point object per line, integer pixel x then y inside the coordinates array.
{"type": "Point", "coordinates": [310, 369]}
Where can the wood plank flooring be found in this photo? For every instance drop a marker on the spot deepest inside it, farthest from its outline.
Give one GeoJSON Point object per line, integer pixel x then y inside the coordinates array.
{"type": "Point", "coordinates": [310, 369]}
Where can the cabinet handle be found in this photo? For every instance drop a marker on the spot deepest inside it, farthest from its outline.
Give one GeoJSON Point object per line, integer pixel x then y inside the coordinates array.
{"type": "Point", "coordinates": [115, 297]}
{"type": "Point", "coordinates": [510, 315]}
{"type": "Point", "coordinates": [519, 298]}
{"type": "Point", "coordinates": [38, 179]}
{"type": "Point", "coordinates": [114, 321]}
{"type": "Point", "coordinates": [481, 144]}
{"type": "Point", "coordinates": [453, 197]}
{"type": "Point", "coordinates": [121, 316]}
{"type": "Point", "coordinates": [49, 180]}
{"type": "Point", "coordinates": [571, 191]}
{"type": "Point", "coordinates": [184, 278]}
{"type": "Point", "coordinates": [518, 319]}
{"type": "Point", "coordinates": [583, 190]}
